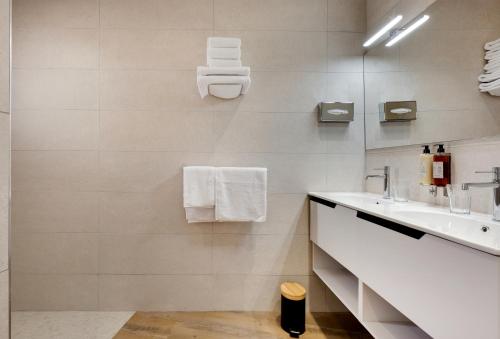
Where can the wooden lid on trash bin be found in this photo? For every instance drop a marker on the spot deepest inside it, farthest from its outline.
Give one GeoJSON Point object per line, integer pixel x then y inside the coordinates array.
{"type": "Point", "coordinates": [293, 291]}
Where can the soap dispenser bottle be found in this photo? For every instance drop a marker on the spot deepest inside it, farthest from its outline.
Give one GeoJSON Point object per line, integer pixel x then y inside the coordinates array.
{"type": "Point", "coordinates": [441, 167]}
{"type": "Point", "coordinates": [426, 159]}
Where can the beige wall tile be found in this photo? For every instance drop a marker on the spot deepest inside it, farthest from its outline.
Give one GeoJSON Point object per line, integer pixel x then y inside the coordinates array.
{"type": "Point", "coordinates": [150, 90]}
{"type": "Point", "coordinates": [282, 50]}
{"type": "Point", "coordinates": [157, 131]}
{"type": "Point", "coordinates": [47, 253]}
{"type": "Point", "coordinates": [261, 254]}
{"type": "Point", "coordinates": [103, 147]}
{"type": "Point", "coordinates": [286, 214]}
{"type": "Point", "coordinates": [4, 305]}
{"type": "Point", "coordinates": [262, 293]}
{"type": "Point", "coordinates": [38, 212]}
{"type": "Point", "coordinates": [287, 173]}
{"type": "Point", "coordinates": [50, 292]}
{"type": "Point", "coordinates": [41, 130]}
{"type": "Point", "coordinates": [268, 132]}
{"type": "Point", "coordinates": [345, 52]}
{"type": "Point", "coordinates": [155, 254]}
{"type": "Point", "coordinates": [4, 56]}
{"type": "Point", "coordinates": [283, 92]}
{"type": "Point", "coordinates": [156, 14]}
{"type": "Point", "coordinates": [55, 48]}
{"type": "Point", "coordinates": [347, 87]}
{"type": "Point", "coordinates": [55, 89]}
{"type": "Point", "coordinates": [158, 292]}
{"type": "Point", "coordinates": [153, 49]}
{"type": "Point", "coordinates": [347, 15]}
{"type": "Point", "coordinates": [292, 15]}
{"type": "Point", "coordinates": [341, 164]}
{"type": "Point", "coordinates": [345, 138]}
{"type": "Point", "coordinates": [55, 13]}
{"type": "Point", "coordinates": [160, 212]}
{"type": "Point", "coordinates": [4, 189]}
{"type": "Point", "coordinates": [55, 170]}
{"type": "Point", "coordinates": [146, 171]}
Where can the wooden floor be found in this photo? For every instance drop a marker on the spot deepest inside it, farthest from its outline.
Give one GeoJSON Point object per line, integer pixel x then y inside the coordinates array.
{"type": "Point", "coordinates": [228, 325]}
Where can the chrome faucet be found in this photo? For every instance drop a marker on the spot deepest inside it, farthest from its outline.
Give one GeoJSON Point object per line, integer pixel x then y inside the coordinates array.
{"type": "Point", "coordinates": [387, 180]}
{"type": "Point", "coordinates": [494, 184]}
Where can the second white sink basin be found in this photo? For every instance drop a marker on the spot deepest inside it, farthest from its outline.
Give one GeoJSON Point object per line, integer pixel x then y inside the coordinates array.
{"type": "Point", "coordinates": [466, 226]}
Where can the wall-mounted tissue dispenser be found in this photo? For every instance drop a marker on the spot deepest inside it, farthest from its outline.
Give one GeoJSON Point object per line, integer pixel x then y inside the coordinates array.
{"type": "Point", "coordinates": [398, 111]}
{"type": "Point", "coordinates": [336, 111]}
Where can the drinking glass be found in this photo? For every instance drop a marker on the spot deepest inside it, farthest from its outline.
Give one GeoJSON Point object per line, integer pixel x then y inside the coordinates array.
{"type": "Point", "coordinates": [459, 199]}
{"type": "Point", "coordinates": [401, 190]}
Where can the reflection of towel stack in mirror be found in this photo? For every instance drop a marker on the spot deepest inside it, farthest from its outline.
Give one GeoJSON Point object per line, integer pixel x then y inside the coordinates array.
{"type": "Point", "coordinates": [490, 79]}
{"type": "Point", "coordinates": [223, 69]}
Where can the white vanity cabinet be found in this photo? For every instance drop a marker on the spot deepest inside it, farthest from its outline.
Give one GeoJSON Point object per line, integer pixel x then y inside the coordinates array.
{"type": "Point", "coordinates": [401, 282]}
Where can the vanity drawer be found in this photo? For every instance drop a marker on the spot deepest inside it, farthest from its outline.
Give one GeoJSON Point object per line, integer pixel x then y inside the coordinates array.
{"type": "Point", "coordinates": [442, 286]}
{"type": "Point", "coordinates": [333, 230]}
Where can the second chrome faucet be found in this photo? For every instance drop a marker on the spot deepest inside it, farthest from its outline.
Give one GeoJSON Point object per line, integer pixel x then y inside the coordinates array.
{"type": "Point", "coordinates": [387, 180]}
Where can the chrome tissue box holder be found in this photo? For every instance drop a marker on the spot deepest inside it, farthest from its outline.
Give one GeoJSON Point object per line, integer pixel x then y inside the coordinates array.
{"type": "Point", "coordinates": [336, 111]}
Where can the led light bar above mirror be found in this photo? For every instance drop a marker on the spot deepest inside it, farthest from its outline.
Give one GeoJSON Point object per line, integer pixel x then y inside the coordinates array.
{"type": "Point", "coordinates": [400, 34]}
{"type": "Point", "coordinates": [383, 31]}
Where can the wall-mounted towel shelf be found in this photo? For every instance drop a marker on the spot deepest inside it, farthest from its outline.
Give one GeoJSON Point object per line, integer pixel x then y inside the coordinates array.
{"type": "Point", "coordinates": [490, 78]}
{"type": "Point", "coordinates": [223, 77]}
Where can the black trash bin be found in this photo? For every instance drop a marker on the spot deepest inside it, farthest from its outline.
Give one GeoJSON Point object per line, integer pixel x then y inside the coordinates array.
{"type": "Point", "coordinates": [293, 308]}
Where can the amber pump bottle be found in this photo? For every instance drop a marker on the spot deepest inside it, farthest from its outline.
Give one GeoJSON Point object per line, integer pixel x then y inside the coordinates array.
{"type": "Point", "coordinates": [441, 167]}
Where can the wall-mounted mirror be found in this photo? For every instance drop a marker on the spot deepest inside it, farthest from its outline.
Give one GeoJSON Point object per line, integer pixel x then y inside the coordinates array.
{"type": "Point", "coordinates": [438, 67]}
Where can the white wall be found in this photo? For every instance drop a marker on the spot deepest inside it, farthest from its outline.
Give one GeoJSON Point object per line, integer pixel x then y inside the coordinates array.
{"type": "Point", "coordinates": [106, 113]}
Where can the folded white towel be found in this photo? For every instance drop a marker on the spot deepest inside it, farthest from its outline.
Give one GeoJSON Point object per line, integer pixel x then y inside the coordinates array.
{"type": "Point", "coordinates": [492, 64]}
{"type": "Point", "coordinates": [202, 70]}
{"type": "Point", "coordinates": [487, 77]}
{"type": "Point", "coordinates": [241, 194]}
{"type": "Point", "coordinates": [200, 214]}
{"type": "Point", "coordinates": [495, 92]}
{"type": "Point", "coordinates": [205, 81]}
{"type": "Point", "coordinates": [224, 53]}
{"type": "Point", "coordinates": [492, 45]}
{"type": "Point", "coordinates": [223, 42]}
{"type": "Point", "coordinates": [493, 55]}
{"type": "Point", "coordinates": [199, 186]}
{"type": "Point", "coordinates": [223, 63]}
{"type": "Point", "coordinates": [489, 86]}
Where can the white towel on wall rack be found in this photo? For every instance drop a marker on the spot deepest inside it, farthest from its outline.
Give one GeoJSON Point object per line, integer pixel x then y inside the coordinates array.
{"type": "Point", "coordinates": [224, 53]}
{"type": "Point", "coordinates": [224, 42]}
{"type": "Point", "coordinates": [492, 55]}
{"type": "Point", "coordinates": [487, 77]}
{"type": "Point", "coordinates": [492, 45]}
{"type": "Point", "coordinates": [237, 193]}
{"type": "Point", "coordinates": [223, 63]}
{"type": "Point", "coordinates": [203, 71]}
{"type": "Point", "coordinates": [205, 81]}
{"type": "Point", "coordinates": [487, 86]}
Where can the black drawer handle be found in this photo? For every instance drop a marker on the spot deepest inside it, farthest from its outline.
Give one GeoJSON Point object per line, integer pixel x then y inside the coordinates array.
{"type": "Point", "coordinates": [394, 226]}
{"type": "Point", "coordinates": [323, 201]}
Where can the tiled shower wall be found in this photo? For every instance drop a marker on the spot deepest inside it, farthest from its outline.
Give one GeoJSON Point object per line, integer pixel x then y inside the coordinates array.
{"type": "Point", "coordinates": [106, 113]}
{"type": "Point", "coordinates": [4, 164]}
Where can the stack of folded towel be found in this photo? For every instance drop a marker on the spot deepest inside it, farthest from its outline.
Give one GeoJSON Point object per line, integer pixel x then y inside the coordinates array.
{"type": "Point", "coordinates": [223, 66]}
{"type": "Point", "coordinates": [490, 79]}
{"type": "Point", "coordinates": [225, 194]}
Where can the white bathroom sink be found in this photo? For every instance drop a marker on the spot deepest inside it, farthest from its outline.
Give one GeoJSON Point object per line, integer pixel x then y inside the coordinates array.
{"type": "Point", "coordinates": [476, 230]}
{"type": "Point", "coordinates": [364, 198]}
{"type": "Point", "coordinates": [468, 227]}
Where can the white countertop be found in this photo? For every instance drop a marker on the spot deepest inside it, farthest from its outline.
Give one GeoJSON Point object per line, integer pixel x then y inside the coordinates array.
{"type": "Point", "coordinates": [436, 220]}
